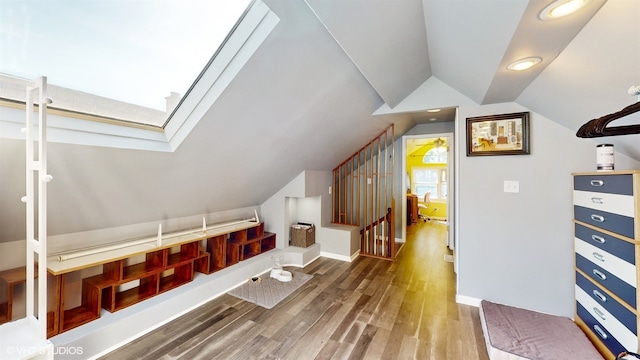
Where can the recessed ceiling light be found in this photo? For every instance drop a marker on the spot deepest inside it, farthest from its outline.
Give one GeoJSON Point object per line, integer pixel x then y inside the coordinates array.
{"type": "Point", "coordinates": [433, 119]}
{"type": "Point", "coordinates": [561, 8]}
{"type": "Point", "coordinates": [524, 64]}
{"type": "Point", "coordinates": [433, 110]}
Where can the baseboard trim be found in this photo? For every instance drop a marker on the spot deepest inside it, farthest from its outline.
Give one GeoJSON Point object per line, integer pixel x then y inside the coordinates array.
{"type": "Point", "coordinates": [468, 300]}
{"type": "Point", "coordinates": [339, 257]}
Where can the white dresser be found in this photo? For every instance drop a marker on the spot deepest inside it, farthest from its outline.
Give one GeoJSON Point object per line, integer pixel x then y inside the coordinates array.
{"type": "Point", "coordinates": [605, 213]}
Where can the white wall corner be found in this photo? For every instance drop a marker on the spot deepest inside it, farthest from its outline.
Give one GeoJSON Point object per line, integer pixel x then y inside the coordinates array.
{"type": "Point", "coordinates": [433, 93]}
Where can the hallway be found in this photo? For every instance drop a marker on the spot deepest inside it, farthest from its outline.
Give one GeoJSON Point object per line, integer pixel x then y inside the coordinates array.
{"type": "Point", "coordinates": [368, 309]}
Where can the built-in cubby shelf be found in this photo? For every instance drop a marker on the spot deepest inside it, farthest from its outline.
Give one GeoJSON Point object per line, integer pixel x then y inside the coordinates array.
{"type": "Point", "coordinates": [251, 242]}
{"type": "Point", "coordinates": [139, 272]}
{"type": "Point", "coordinates": [14, 280]}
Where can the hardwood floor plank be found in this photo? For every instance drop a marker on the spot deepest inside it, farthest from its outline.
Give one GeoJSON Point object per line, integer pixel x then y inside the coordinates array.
{"type": "Point", "coordinates": [363, 342]}
{"type": "Point", "coordinates": [377, 345]}
{"type": "Point", "coordinates": [328, 350]}
{"type": "Point", "coordinates": [343, 351]}
{"type": "Point", "coordinates": [217, 344]}
{"type": "Point", "coordinates": [387, 311]}
{"type": "Point", "coordinates": [367, 309]}
{"type": "Point", "coordinates": [350, 318]}
{"type": "Point", "coordinates": [408, 348]}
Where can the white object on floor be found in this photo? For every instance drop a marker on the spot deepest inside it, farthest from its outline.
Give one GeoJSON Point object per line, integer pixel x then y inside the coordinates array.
{"type": "Point", "coordinates": [281, 275]}
{"type": "Point", "coordinates": [277, 272]}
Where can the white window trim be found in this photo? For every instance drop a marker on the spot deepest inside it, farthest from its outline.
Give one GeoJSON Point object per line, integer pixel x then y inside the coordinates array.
{"type": "Point", "coordinates": [420, 168]}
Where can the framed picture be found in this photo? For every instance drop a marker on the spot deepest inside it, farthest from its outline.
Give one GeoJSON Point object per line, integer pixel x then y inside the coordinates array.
{"type": "Point", "coordinates": [504, 134]}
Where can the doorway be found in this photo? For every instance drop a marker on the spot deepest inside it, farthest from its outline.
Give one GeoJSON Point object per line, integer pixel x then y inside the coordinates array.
{"type": "Point", "coordinates": [427, 163]}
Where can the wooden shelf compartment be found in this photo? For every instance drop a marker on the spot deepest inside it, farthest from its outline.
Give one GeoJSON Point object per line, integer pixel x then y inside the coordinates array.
{"type": "Point", "coordinates": [176, 276]}
{"type": "Point", "coordinates": [111, 273]}
{"type": "Point", "coordinates": [217, 247]}
{"type": "Point", "coordinates": [186, 253]}
{"type": "Point", "coordinates": [255, 232]}
{"type": "Point", "coordinates": [202, 263]}
{"type": "Point", "coordinates": [254, 246]}
{"type": "Point", "coordinates": [268, 242]}
{"type": "Point", "coordinates": [72, 314]}
{"type": "Point", "coordinates": [233, 253]}
{"type": "Point", "coordinates": [250, 250]}
{"type": "Point", "coordinates": [239, 236]}
{"type": "Point", "coordinates": [155, 262]}
{"type": "Point", "coordinates": [9, 280]}
{"type": "Point", "coordinates": [146, 288]}
{"type": "Point", "coordinates": [77, 316]}
{"type": "Point", "coordinates": [4, 313]}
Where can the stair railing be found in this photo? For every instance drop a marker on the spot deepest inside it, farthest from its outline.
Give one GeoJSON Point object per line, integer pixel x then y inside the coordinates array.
{"type": "Point", "coordinates": [363, 194]}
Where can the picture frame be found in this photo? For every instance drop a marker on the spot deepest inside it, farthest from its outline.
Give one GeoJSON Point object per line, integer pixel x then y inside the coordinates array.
{"type": "Point", "coordinates": [503, 134]}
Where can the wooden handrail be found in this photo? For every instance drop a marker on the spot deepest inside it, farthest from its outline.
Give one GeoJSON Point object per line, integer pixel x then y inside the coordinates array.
{"type": "Point", "coordinates": [386, 218]}
{"type": "Point", "coordinates": [363, 148]}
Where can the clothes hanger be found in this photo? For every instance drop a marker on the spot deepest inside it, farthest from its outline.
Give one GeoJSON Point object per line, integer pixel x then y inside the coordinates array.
{"type": "Point", "coordinates": [598, 127]}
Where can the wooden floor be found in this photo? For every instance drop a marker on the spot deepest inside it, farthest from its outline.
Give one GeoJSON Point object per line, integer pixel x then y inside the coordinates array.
{"type": "Point", "coordinates": [368, 309]}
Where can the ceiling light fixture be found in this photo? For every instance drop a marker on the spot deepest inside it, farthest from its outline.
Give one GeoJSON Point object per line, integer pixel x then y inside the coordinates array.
{"type": "Point", "coordinates": [524, 64]}
{"type": "Point", "coordinates": [434, 110]}
{"type": "Point", "coordinates": [562, 8]}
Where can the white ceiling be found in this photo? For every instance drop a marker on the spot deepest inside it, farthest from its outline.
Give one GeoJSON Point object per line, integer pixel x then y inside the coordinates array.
{"type": "Point", "coordinates": [305, 100]}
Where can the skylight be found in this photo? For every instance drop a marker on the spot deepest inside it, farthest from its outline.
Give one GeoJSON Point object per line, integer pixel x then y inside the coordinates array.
{"type": "Point", "coordinates": [104, 55]}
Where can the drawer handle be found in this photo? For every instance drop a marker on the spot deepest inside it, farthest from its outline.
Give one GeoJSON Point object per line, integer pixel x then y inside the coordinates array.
{"type": "Point", "coordinates": [599, 313]}
{"type": "Point", "coordinates": [598, 256]}
{"type": "Point", "coordinates": [598, 218]}
{"type": "Point", "coordinates": [599, 274]}
{"type": "Point", "coordinates": [599, 296]}
{"type": "Point", "coordinates": [597, 200]}
{"type": "Point", "coordinates": [596, 182]}
{"type": "Point", "coordinates": [597, 238]}
{"type": "Point", "coordinates": [600, 332]}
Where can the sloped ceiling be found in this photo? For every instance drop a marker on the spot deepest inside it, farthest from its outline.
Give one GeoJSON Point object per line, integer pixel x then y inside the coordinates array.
{"type": "Point", "coordinates": [305, 100]}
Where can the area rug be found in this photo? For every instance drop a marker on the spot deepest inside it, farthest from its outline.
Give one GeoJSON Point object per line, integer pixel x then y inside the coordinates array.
{"type": "Point", "coordinates": [268, 292]}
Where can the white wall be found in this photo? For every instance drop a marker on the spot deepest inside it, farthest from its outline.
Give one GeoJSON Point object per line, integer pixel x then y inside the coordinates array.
{"type": "Point", "coordinates": [517, 248]}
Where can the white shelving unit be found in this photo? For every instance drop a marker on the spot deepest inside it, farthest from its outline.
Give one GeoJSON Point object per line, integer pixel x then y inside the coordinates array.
{"type": "Point", "coordinates": [26, 338]}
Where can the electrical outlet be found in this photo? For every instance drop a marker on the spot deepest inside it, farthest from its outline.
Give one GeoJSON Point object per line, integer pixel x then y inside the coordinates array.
{"type": "Point", "coordinates": [512, 186]}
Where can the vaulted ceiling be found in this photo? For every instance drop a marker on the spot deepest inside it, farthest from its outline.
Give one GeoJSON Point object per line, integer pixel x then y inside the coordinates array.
{"type": "Point", "coordinates": [589, 59]}
{"type": "Point", "coordinates": [331, 76]}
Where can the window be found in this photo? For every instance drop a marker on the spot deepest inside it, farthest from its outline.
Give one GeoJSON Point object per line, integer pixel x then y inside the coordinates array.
{"type": "Point", "coordinates": [437, 155]}
{"type": "Point", "coordinates": [90, 117]}
{"type": "Point", "coordinates": [131, 60]}
{"type": "Point", "coordinates": [432, 179]}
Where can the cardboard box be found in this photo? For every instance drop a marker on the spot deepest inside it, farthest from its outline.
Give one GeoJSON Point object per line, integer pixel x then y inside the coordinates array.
{"type": "Point", "coordinates": [303, 235]}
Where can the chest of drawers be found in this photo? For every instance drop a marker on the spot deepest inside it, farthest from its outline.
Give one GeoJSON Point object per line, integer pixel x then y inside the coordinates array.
{"type": "Point", "coordinates": [605, 228]}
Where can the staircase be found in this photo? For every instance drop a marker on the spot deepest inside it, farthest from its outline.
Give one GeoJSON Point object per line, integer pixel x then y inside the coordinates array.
{"type": "Point", "coordinates": [363, 195]}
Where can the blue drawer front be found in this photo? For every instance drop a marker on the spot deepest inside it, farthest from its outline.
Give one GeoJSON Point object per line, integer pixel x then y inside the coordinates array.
{"type": "Point", "coordinates": [620, 312]}
{"type": "Point", "coordinates": [619, 224]}
{"type": "Point", "coordinates": [625, 291]}
{"type": "Point", "coordinates": [613, 184]}
{"type": "Point", "coordinates": [609, 341]}
{"type": "Point", "coordinates": [620, 248]}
